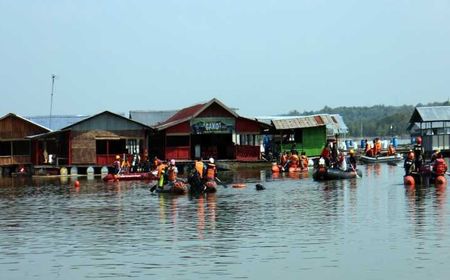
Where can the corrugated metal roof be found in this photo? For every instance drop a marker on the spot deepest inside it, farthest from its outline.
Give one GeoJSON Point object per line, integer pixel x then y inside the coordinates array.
{"type": "Point", "coordinates": [58, 121]}
{"type": "Point", "coordinates": [334, 123]}
{"type": "Point", "coordinates": [191, 112]}
{"type": "Point", "coordinates": [152, 118]}
{"type": "Point", "coordinates": [296, 122]}
{"type": "Point", "coordinates": [430, 114]}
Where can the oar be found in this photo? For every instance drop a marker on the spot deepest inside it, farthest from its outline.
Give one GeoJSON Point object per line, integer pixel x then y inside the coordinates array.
{"type": "Point", "coordinates": [354, 170]}
{"type": "Point", "coordinates": [152, 189]}
{"type": "Point", "coordinates": [220, 182]}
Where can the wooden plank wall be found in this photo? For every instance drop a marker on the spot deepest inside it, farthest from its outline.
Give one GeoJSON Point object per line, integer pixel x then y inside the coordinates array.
{"type": "Point", "coordinates": [15, 128]}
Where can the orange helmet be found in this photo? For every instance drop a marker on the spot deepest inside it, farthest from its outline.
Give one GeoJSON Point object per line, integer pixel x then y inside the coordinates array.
{"type": "Point", "coordinates": [419, 140]}
{"type": "Point", "coordinates": [411, 155]}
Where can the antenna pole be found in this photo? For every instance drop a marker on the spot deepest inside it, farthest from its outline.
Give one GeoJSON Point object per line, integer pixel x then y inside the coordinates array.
{"type": "Point", "coordinates": [51, 101]}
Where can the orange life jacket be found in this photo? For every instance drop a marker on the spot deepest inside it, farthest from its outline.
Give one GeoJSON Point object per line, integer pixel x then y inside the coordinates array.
{"type": "Point", "coordinates": [172, 174]}
{"type": "Point", "coordinates": [377, 147]}
{"type": "Point", "coordinates": [305, 161]}
{"type": "Point", "coordinates": [199, 167]}
{"type": "Point", "coordinates": [440, 167]}
{"type": "Point", "coordinates": [391, 151]}
{"type": "Point", "coordinates": [211, 171]}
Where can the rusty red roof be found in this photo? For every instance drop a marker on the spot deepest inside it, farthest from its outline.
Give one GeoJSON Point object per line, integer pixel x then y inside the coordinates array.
{"type": "Point", "coordinates": [192, 112]}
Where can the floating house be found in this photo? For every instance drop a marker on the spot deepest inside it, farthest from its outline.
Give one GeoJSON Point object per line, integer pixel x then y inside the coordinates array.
{"type": "Point", "coordinates": [433, 125]}
{"type": "Point", "coordinates": [206, 130]}
{"type": "Point", "coordinates": [307, 134]}
{"type": "Point", "coordinates": [95, 140]}
{"type": "Point", "coordinates": [15, 147]}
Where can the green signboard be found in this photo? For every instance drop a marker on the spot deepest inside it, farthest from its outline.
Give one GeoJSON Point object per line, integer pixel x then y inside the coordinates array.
{"type": "Point", "coordinates": [212, 125]}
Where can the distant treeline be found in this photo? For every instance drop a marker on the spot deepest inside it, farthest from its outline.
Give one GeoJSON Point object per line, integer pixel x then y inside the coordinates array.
{"type": "Point", "coordinates": [378, 120]}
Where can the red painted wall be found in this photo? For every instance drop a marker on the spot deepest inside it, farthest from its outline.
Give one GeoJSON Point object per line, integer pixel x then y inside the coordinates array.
{"type": "Point", "coordinates": [179, 128]}
{"type": "Point", "coordinates": [247, 126]}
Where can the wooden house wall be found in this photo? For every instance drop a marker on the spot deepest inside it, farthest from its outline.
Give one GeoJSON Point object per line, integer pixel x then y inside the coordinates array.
{"type": "Point", "coordinates": [182, 128]}
{"type": "Point", "coordinates": [13, 160]}
{"type": "Point", "coordinates": [16, 128]}
{"type": "Point", "coordinates": [247, 126]}
{"type": "Point", "coordinates": [83, 143]}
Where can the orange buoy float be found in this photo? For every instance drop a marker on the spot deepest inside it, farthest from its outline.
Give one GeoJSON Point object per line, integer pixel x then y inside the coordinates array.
{"type": "Point", "coordinates": [238, 186]}
{"type": "Point", "coordinates": [275, 168]}
{"type": "Point", "coordinates": [440, 180]}
{"type": "Point", "coordinates": [76, 184]}
{"type": "Point", "coordinates": [409, 180]}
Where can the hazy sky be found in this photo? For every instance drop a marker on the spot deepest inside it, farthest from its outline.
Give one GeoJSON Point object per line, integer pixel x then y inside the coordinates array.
{"type": "Point", "coordinates": [263, 57]}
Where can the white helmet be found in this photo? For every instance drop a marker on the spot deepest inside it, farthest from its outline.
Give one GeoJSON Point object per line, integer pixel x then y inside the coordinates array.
{"type": "Point", "coordinates": [211, 160]}
{"type": "Point", "coordinates": [172, 162]}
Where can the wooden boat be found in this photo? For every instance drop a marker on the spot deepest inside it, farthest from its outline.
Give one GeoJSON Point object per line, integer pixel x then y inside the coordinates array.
{"type": "Point", "coordinates": [381, 158]}
{"type": "Point", "coordinates": [146, 176]}
{"type": "Point", "coordinates": [323, 173]}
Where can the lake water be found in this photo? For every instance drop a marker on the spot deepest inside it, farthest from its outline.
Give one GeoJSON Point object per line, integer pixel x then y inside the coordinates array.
{"type": "Point", "coordinates": [367, 228]}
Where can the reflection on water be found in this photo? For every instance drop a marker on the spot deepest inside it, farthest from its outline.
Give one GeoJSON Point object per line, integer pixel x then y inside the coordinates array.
{"type": "Point", "coordinates": [367, 228]}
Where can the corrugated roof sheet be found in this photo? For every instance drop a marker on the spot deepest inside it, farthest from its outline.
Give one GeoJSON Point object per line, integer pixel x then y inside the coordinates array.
{"type": "Point", "coordinates": [334, 123]}
{"type": "Point", "coordinates": [191, 112]}
{"type": "Point", "coordinates": [296, 122]}
{"type": "Point", "coordinates": [430, 114]}
{"type": "Point", "coordinates": [152, 118]}
{"type": "Point", "coordinates": [58, 121]}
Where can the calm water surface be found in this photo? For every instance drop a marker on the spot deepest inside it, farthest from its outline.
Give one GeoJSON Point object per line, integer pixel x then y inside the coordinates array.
{"type": "Point", "coordinates": [368, 228]}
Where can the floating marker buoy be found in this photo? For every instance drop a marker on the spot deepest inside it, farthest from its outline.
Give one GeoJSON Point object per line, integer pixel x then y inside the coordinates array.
{"type": "Point", "coordinates": [76, 184]}
{"type": "Point", "coordinates": [238, 186]}
{"type": "Point", "coordinates": [275, 168]}
{"type": "Point", "coordinates": [409, 180]}
{"type": "Point", "coordinates": [440, 180]}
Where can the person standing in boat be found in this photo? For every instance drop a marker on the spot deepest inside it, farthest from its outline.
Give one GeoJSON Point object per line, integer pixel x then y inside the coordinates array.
{"type": "Point", "coordinates": [409, 165]}
{"type": "Point", "coordinates": [342, 161]}
{"type": "Point", "coordinates": [116, 165]}
{"type": "Point", "coordinates": [352, 160]}
{"type": "Point", "coordinates": [172, 172]}
{"type": "Point", "coordinates": [199, 166]}
{"type": "Point", "coordinates": [326, 155]}
{"type": "Point", "coordinates": [211, 170]}
{"type": "Point", "coordinates": [418, 153]}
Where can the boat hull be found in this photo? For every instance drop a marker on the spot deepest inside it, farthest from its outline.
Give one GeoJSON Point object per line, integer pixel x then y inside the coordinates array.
{"type": "Point", "coordinates": [323, 174]}
{"type": "Point", "coordinates": [393, 158]}
{"type": "Point", "coordinates": [145, 176]}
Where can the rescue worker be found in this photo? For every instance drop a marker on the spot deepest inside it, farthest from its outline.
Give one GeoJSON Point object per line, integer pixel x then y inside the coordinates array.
{"type": "Point", "coordinates": [161, 174]}
{"type": "Point", "coordinates": [326, 155]}
{"type": "Point", "coordinates": [342, 162]}
{"type": "Point", "coordinates": [304, 161]}
{"type": "Point", "coordinates": [211, 170]}
{"type": "Point", "coordinates": [409, 164]}
{"type": "Point", "coordinates": [116, 165]}
{"type": "Point", "coordinates": [368, 149]}
{"type": "Point", "coordinates": [199, 166]}
{"type": "Point", "coordinates": [439, 167]}
{"type": "Point", "coordinates": [294, 160]}
{"type": "Point", "coordinates": [418, 153]}
{"type": "Point", "coordinates": [352, 160]}
{"type": "Point", "coordinates": [377, 146]}
{"type": "Point", "coordinates": [172, 172]}
{"type": "Point", "coordinates": [391, 150]}
{"type": "Point", "coordinates": [437, 154]}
